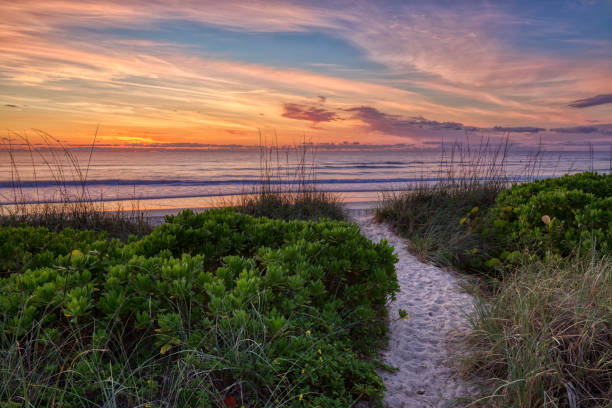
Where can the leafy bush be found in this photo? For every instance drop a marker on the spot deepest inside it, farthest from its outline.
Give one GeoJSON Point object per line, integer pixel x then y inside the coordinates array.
{"type": "Point", "coordinates": [549, 218]}
{"type": "Point", "coordinates": [210, 309]}
{"type": "Point", "coordinates": [27, 247]}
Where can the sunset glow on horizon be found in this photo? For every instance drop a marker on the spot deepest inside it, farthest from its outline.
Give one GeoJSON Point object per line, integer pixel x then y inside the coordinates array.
{"type": "Point", "coordinates": [197, 73]}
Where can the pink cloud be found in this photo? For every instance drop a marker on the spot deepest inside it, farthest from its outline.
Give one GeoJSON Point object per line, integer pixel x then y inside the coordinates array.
{"type": "Point", "coordinates": [592, 101]}
{"type": "Point", "coordinates": [309, 113]}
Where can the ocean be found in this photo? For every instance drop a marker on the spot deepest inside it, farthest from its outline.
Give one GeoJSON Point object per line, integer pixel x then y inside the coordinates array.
{"type": "Point", "coordinates": [173, 179]}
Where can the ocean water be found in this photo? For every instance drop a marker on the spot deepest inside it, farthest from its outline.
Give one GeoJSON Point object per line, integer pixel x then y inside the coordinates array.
{"type": "Point", "coordinates": [203, 178]}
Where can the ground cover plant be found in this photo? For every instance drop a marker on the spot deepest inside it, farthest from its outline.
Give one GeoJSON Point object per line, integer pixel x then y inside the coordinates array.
{"type": "Point", "coordinates": [217, 309]}
{"type": "Point", "coordinates": [553, 217]}
{"type": "Point", "coordinates": [544, 338]}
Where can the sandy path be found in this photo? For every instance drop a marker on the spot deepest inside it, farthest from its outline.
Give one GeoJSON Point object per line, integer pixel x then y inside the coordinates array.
{"type": "Point", "coordinates": [419, 346]}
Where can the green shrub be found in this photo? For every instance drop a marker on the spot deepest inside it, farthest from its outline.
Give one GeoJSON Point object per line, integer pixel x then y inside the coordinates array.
{"type": "Point", "coordinates": [207, 307]}
{"type": "Point", "coordinates": [33, 247]}
{"type": "Point", "coordinates": [549, 218]}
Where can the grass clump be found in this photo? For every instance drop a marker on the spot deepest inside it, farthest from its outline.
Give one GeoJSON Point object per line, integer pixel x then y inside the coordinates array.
{"type": "Point", "coordinates": [211, 310]}
{"type": "Point", "coordinates": [302, 205]}
{"type": "Point", "coordinates": [71, 206]}
{"type": "Point", "coordinates": [288, 187]}
{"type": "Point", "coordinates": [545, 337]}
{"type": "Point", "coordinates": [89, 216]}
{"type": "Point", "coordinates": [428, 214]}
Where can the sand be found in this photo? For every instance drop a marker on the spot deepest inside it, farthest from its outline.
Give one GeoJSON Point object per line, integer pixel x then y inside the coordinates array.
{"type": "Point", "coordinates": [420, 346]}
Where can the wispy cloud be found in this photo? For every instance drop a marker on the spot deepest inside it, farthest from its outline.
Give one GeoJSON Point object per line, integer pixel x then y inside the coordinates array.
{"type": "Point", "coordinates": [518, 129]}
{"type": "Point", "coordinates": [308, 113]}
{"type": "Point", "coordinates": [397, 125]}
{"type": "Point", "coordinates": [592, 101]}
{"type": "Point", "coordinates": [576, 129]}
{"type": "Point", "coordinates": [605, 129]}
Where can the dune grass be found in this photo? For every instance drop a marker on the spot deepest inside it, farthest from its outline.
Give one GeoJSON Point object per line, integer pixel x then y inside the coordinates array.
{"type": "Point", "coordinates": [288, 189]}
{"type": "Point", "coordinates": [429, 218]}
{"type": "Point", "coordinates": [544, 339]}
{"type": "Point", "coordinates": [427, 214]}
{"type": "Point", "coordinates": [72, 207]}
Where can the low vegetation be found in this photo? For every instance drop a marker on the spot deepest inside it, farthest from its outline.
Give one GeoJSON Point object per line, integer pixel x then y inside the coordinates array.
{"type": "Point", "coordinates": [542, 332]}
{"type": "Point", "coordinates": [307, 204]}
{"type": "Point", "coordinates": [428, 213]}
{"type": "Point", "coordinates": [72, 205]}
{"type": "Point", "coordinates": [429, 217]}
{"type": "Point", "coordinates": [550, 218]}
{"type": "Point", "coordinates": [83, 216]}
{"type": "Point", "coordinates": [544, 338]}
{"type": "Point", "coordinates": [214, 309]}
{"type": "Point", "coordinates": [288, 187]}
{"type": "Point", "coordinates": [228, 308]}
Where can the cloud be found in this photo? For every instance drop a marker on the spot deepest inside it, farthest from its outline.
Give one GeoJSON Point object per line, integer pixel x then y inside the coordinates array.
{"type": "Point", "coordinates": [257, 15]}
{"type": "Point", "coordinates": [309, 113]}
{"type": "Point", "coordinates": [518, 129]}
{"type": "Point", "coordinates": [189, 145]}
{"type": "Point", "coordinates": [576, 129]}
{"type": "Point", "coordinates": [399, 126]}
{"type": "Point", "coordinates": [345, 145]}
{"type": "Point", "coordinates": [592, 101]}
{"type": "Point", "coordinates": [395, 124]}
{"type": "Point", "coordinates": [604, 129]}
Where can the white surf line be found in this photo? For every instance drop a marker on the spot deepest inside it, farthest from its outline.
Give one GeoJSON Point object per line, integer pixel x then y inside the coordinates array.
{"type": "Point", "coordinates": [419, 346]}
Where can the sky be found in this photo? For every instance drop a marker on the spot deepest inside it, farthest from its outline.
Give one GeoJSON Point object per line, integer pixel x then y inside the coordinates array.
{"type": "Point", "coordinates": [198, 73]}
